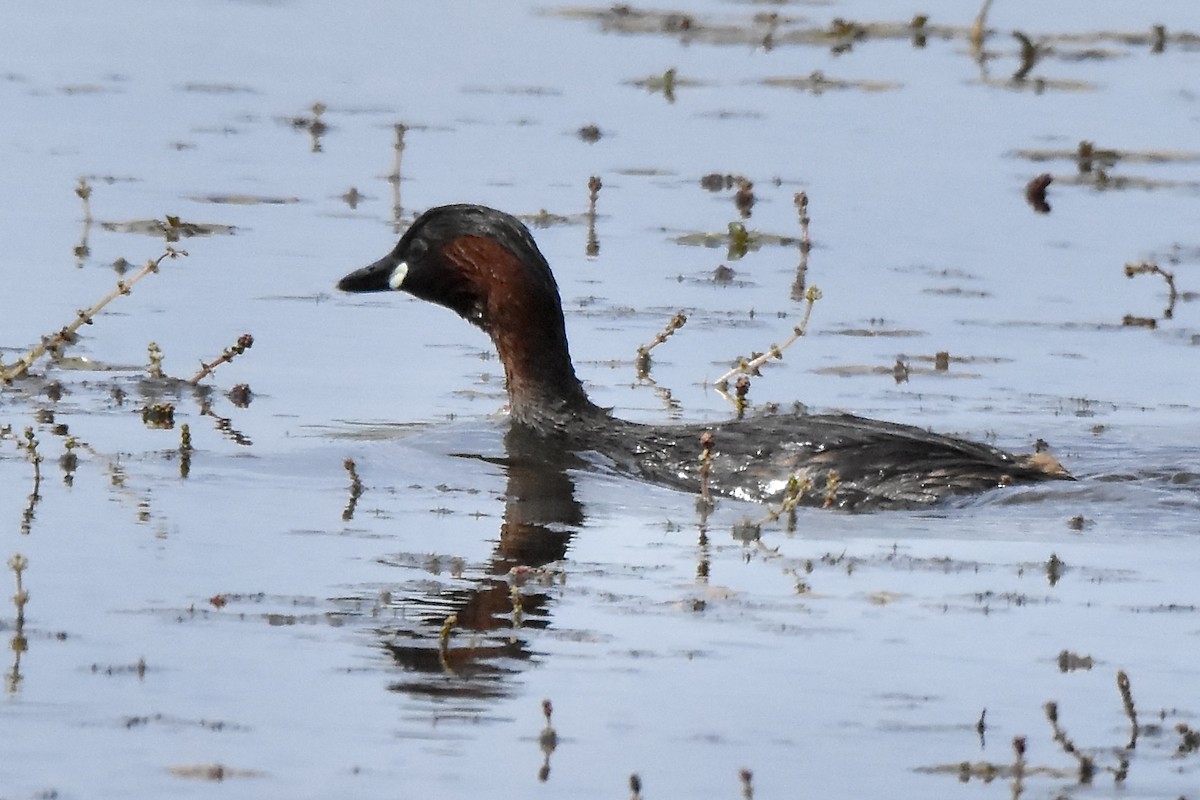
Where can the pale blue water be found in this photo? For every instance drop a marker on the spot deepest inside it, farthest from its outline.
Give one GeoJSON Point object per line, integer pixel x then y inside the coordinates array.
{"type": "Point", "coordinates": [299, 650]}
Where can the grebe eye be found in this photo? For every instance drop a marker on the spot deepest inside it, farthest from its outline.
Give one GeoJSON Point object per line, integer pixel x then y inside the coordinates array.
{"type": "Point", "coordinates": [417, 249]}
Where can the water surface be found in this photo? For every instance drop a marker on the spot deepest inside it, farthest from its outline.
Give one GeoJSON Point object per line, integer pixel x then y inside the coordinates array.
{"type": "Point", "coordinates": [241, 617]}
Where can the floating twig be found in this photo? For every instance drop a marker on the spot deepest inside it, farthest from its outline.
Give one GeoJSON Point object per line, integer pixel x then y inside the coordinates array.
{"type": "Point", "coordinates": [55, 342]}
{"type": "Point", "coordinates": [356, 489]}
{"type": "Point", "coordinates": [1150, 268]}
{"type": "Point", "coordinates": [979, 31]}
{"type": "Point", "coordinates": [244, 343]}
{"type": "Point", "coordinates": [643, 352]}
{"type": "Point", "coordinates": [798, 285]}
{"type": "Point", "coordinates": [750, 367]}
{"type": "Point", "coordinates": [1126, 690]}
{"type": "Point", "coordinates": [1087, 765]}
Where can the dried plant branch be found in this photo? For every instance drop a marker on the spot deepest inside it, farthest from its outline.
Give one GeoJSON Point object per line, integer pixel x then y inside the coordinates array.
{"type": "Point", "coordinates": [643, 351]}
{"type": "Point", "coordinates": [1087, 765]}
{"type": "Point", "coordinates": [801, 282]}
{"type": "Point", "coordinates": [356, 489]}
{"type": "Point", "coordinates": [593, 244]}
{"type": "Point", "coordinates": [750, 367]}
{"type": "Point", "coordinates": [1150, 268]}
{"type": "Point", "coordinates": [31, 446]}
{"type": "Point", "coordinates": [979, 30]}
{"type": "Point", "coordinates": [1126, 690]}
{"type": "Point", "coordinates": [55, 342]}
{"type": "Point", "coordinates": [244, 343]}
{"type": "Point", "coordinates": [19, 643]}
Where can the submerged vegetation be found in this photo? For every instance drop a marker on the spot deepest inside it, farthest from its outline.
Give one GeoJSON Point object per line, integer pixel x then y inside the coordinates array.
{"type": "Point", "coordinates": [21, 383]}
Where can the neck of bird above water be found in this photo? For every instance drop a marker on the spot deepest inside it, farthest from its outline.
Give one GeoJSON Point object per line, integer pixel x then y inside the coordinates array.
{"type": "Point", "coordinates": [543, 391]}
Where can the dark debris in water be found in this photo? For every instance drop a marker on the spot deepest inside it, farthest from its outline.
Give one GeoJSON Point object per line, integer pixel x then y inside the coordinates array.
{"type": "Point", "coordinates": [173, 722]}
{"type": "Point", "coordinates": [818, 83]}
{"type": "Point", "coordinates": [862, 370]}
{"type": "Point", "coordinates": [753, 240]}
{"type": "Point", "coordinates": [764, 29]}
{"type": "Point", "coordinates": [547, 219]}
{"type": "Point", "coordinates": [212, 772]}
{"type": "Point", "coordinates": [158, 228]}
{"type": "Point", "coordinates": [243, 200]}
{"type": "Point", "coordinates": [773, 29]}
{"type": "Point", "coordinates": [1094, 166]}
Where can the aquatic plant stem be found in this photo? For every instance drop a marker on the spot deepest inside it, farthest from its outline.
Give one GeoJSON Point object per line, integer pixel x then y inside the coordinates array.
{"type": "Point", "coordinates": [1087, 766]}
{"type": "Point", "coordinates": [244, 343]}
{"type": "Point", "coordinates": [19, 644]}
{"type": "Point", "coordinates": [979, 30]}
{"type": "Point", "coordinates": [811, 296]}
{"type": "Point", "coordinates": [356, 489]}
{"type": "Point", "coordinates": [54, 342]}
{"type": "Point", "coordinates": [1126, 690]}
{"type": "Point", "coordinates": [593, 244]}
{"type": "Point", "coordinates": [643, 352]}
{"type": "Point", "coordinates": [1150, 268]}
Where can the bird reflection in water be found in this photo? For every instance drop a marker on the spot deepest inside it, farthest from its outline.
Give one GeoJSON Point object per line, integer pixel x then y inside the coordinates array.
{"type": "Point", "coordinates": [486, 648]}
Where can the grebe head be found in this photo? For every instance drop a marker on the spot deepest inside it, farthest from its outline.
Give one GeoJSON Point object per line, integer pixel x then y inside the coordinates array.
{"type": "Point", "coordinates": [484, 265]}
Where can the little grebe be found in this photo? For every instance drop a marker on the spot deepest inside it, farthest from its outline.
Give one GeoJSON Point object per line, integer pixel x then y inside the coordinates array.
{"type": "Point", "coordinates": [484, 265]}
